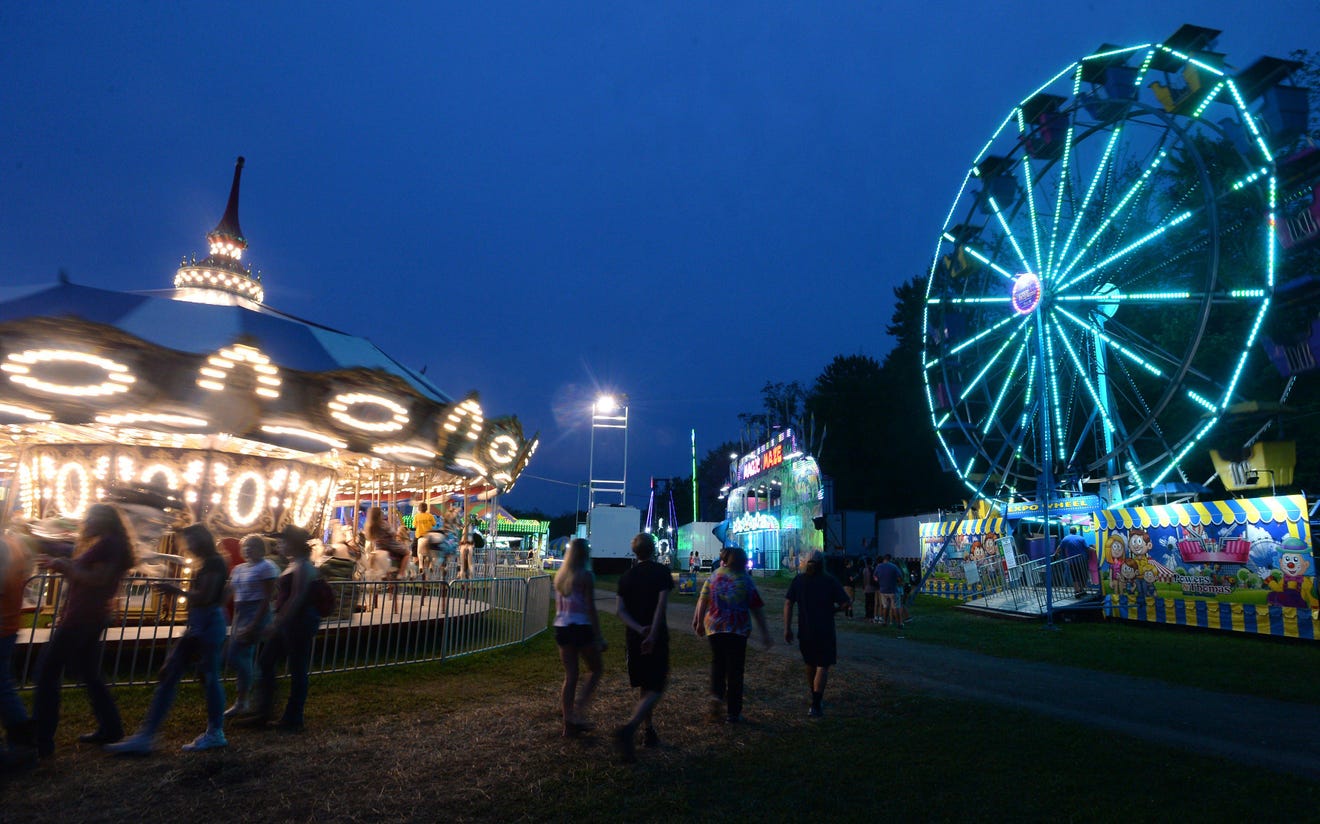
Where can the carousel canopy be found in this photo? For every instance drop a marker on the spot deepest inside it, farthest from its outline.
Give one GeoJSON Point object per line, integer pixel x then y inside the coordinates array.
{"type": "Point", "coordinates": [208, 366]}
{"type": "Point", "coordinates": [204, 328]}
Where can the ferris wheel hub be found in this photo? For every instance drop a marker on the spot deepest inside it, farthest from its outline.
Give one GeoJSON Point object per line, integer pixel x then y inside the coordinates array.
{"type": "Point", "coordinates": [1026, 293]}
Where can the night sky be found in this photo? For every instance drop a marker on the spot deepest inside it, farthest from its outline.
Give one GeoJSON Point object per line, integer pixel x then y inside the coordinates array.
{"type": "Point", "coordinates": [538, 201]}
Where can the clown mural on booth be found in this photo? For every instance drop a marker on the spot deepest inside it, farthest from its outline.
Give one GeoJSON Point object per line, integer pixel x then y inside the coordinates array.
{"type": "Point", "coordinates": [1248, 551]}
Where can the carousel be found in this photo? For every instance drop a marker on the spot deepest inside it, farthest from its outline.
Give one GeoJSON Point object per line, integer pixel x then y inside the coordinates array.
{"type": "Point", "coordinates": [205, 404]}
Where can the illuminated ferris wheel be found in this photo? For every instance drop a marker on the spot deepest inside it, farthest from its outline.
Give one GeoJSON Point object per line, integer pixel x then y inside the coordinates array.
{"type": "Point", "coordinates": [1103, 274]}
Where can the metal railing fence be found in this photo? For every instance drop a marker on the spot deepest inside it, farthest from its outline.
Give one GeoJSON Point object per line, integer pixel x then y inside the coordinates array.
{"type": "Point", "coordinates": [374, 623]}
{"type": "Point", "coordinates": [1025, 585]}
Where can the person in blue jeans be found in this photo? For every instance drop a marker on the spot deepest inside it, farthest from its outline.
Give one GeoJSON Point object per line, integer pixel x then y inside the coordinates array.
{"type": "Point", "coordinates": [289, 635]}
{"type": "Point", "coordinates": [203, 642]}
{"type": "Point", "coordinates": [253, 585]}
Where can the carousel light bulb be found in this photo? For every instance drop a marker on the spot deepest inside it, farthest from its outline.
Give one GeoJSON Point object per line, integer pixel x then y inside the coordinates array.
{"type": "Point", "coordinates": [23, 411]}
{"type": "Point", "coordinates": [242, 480]}
{"type": "Point", "coordinates": [70, 472]}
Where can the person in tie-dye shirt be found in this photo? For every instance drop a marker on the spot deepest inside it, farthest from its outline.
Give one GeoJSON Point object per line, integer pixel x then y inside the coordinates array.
{"type": "Point", "coordinates": [728, 606]}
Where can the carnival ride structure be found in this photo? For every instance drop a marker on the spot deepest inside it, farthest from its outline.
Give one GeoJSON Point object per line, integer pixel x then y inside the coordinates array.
{"type": "Point", "coordinates": [229, 412]}
{"type": "Point", "coordinates": [1107, 266]}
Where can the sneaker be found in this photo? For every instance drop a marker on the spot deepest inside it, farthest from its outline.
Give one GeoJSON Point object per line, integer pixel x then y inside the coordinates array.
{"type": "Point", "coordinates": [623, 743]}
{"type": "Point", "coordinates": [649, 739]}
{"type": "Point", "coordinates": [815, 712]}
{"type": "Point", "coordinates": [734, 719]}
{"type": "Point", "coordinates": [139, 744]}
{"type": "Point", "coordinates": [239, 708]}
{"type": "Point", "coordinates": [209, 740]}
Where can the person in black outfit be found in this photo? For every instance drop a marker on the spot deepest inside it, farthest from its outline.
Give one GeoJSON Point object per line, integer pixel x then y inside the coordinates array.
{"type": "Point", "coordinates": [818, 595]}
{"type": "Point", "coordinates": [643, 595]}
{"type": "Point", "coordinates": [103, 555]}
{"type": "Point", "coordinates": [853, 577]}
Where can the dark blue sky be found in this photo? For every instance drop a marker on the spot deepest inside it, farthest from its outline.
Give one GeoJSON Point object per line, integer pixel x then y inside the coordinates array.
{"type": "Point", "coordinates": [676, 200]}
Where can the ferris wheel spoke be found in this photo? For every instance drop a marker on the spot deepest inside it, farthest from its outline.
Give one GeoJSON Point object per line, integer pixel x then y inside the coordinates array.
{"type": "Point", "coordinates": [1153, 351]}
{"type": "Point", "coordinates": [1123, 253]}
{"type": "Point", "coordinates": [966, 301]}
{"type": "Point", "coordinates": [1008, 233]}
{"type": "Point", "coordinates": [1128, 452]}
{"type": "Point", "coordinates": [1063, 186]}
{"type": "Point", "coordinates": [1009, 380]}
{"type": "Point", "coordinates": [1112, 343]}
{"type": "Point", "coordinates": [979, 336]}
{"type": "Point", "coordinates": [1137, 186]}
{"type": "Point", "coordinates": [1080, 212]}
{"type": "Point", "coordinates": [989, 364]}
{"type": "Point", "coordinates": [983, 258]}
{"type": "Point", "coordinates": [1246, 351]}
{"type": "Point", "coordinates": [1030, 187]}
{"type": "Point", "coordinates": [1050, 391]}
{"type": "Point", "coordinates": [1080, 442]}
{"type": "Point", "coordinates": [1027, 397]}
{"type": "Point", "coordinates": [1082, 373]}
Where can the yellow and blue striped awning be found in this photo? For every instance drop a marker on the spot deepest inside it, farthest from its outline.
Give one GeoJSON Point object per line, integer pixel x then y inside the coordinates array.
{"type": "Point", "coordinates": [979, 526]}
{"type": "Point", "coordinates": [1280, 509]}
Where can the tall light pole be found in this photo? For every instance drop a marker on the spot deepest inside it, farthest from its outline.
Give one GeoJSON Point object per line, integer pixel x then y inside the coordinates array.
{"type": "Point", "coordinates": [608, 412]}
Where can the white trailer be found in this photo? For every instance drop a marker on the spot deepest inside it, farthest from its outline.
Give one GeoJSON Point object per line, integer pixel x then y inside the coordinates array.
{"type": "Point", "coordinates": [610, 530]}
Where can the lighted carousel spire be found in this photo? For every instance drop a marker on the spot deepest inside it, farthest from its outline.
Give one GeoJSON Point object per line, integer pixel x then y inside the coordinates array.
{"type": "Point", "coordinates": [222, 271]}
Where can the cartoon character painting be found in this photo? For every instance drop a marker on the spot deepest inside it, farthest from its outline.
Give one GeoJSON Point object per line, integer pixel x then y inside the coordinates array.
{"type": "Point", "coordinates": [1138, 545]}
{"type": "Point", "coordinates": [1115, 554]}
{"type": "Point", "coordinates": [1146, 583]}
{"type": "Point", "coordinates": [1292, 587]}
{"type": "Point", "coordinates": [1129, 572]}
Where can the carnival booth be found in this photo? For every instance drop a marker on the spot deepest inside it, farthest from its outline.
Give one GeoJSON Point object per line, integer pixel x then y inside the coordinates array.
{"type": "Point", "coordinates": [1244, 565]}
{"type": "Point", "coordinates": [773, 504]}
{"type": "Point", "coordinates": [239, 416]}
{"type": "Point", "coordinates": [975, 548]}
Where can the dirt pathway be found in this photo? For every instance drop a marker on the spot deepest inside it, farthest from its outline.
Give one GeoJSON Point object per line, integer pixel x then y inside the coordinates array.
{"type": "Point", "coordinates": [1276, 735]}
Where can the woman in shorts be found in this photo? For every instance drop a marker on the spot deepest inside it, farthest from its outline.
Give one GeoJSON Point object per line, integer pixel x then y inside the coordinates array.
{"type": "Point", "coordinates": [577, 632]}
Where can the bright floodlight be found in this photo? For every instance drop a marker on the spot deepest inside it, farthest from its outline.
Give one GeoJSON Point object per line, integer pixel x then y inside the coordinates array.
{"type": "Point", "coordinates": [606, 404]}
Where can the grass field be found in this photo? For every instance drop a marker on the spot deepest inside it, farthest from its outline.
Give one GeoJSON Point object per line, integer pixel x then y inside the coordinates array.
{"type": "Point", "coordinates": [477, 738]}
